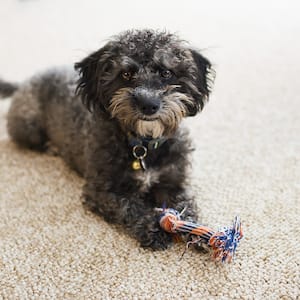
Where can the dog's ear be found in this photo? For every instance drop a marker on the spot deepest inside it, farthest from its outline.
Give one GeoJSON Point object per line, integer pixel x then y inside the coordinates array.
{"type": "Point", "coordinates": [91, 70]}
{"type": "Point", "coordinates": [205, 76]}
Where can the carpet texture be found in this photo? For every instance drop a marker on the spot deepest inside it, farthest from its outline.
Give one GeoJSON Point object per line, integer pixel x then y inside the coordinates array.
{"type": "Point", "coordinates": [247, 162]}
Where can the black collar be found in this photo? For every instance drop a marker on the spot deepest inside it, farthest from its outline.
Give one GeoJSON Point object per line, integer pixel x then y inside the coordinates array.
{"type": "Point", "coordinates": [147, 142]}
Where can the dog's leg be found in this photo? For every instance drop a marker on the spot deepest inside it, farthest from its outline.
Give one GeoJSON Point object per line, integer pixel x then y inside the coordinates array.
{"type": "Point", "coordinates": [184, 202]}
{"type": "Point", "coordinates": [179, 199]}
{"type": "Point", "coordinates": [132, 212]}
{"type": "Point", "coordinates": [148, 231]}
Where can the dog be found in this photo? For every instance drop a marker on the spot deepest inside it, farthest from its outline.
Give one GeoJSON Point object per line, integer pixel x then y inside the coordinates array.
{"type": "Point", "coordinates": [116, 120]}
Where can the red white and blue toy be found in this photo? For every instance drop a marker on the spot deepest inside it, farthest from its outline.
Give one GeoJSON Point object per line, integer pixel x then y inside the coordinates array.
{"type": "Point", "coordinates": [223, 242]}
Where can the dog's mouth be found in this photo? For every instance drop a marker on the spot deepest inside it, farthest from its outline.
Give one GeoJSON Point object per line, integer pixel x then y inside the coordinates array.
{"type": "Point", "coordinates": [148, 119]}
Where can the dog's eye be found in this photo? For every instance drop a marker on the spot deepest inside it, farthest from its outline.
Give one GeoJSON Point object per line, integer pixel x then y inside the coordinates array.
{"type": "Point", "coordinates": [127, 75]}
{"type": "Point", "coordinates": [166, 74]}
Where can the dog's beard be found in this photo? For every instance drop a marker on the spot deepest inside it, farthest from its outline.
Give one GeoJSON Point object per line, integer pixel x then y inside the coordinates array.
{"type": "Point", "coordinates": [154, 128]}
{"type": "Point", "coordinates": [163, 123]}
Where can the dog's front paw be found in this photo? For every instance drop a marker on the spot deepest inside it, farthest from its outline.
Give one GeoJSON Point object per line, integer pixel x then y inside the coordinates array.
{"type": "Point", "coordinates": [150, 235]}
{"type": "Point", "coordinates": [156, 240]}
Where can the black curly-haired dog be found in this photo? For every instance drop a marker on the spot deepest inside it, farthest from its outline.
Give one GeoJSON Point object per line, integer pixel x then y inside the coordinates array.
{"type": "Point", "coordinates": [117, 121]}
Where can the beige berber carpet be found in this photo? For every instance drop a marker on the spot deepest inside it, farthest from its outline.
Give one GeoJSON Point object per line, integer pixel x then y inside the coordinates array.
{"type": "Point", "coordinates": [247, 160]}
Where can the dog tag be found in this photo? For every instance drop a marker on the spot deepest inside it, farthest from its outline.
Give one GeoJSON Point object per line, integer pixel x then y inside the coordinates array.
{"type": "Point", "coordinates": [143, 164]}
{"type": "Point", "coordinates": [139, 152]}
{"type": "Point", "coordinates": [136, 165]}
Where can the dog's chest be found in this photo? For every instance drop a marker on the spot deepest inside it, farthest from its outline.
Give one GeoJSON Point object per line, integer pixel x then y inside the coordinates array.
{"type": "Point", "coordinates": [146, 179]}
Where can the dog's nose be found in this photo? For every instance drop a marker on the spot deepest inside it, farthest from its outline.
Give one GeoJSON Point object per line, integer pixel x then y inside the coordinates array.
{"type": "Point", "coordinates": [148, 106]}
{"type": "Point", "coordinates": [147, 103]}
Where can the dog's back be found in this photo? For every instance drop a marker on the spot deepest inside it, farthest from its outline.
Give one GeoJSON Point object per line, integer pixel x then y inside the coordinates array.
{"type": "Point", "coordinates": [45, 109]}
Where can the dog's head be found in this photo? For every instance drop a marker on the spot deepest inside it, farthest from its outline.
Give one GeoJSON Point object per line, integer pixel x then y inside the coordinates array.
{"type": "Point", "coordinates": [147, 80]}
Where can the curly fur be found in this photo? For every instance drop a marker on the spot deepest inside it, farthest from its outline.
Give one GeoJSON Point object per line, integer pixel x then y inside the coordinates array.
{"type": "Point", "coordinates": [141, 83]}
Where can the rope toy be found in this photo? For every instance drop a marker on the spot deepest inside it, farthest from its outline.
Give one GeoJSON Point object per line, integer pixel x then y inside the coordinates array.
{"type": "Point", "coordinates": [223, 242]}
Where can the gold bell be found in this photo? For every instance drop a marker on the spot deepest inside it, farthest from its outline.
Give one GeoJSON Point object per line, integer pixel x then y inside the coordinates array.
{"type": "Point", "coordinates": [136, 165]}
